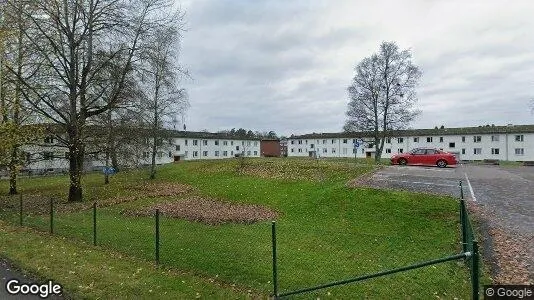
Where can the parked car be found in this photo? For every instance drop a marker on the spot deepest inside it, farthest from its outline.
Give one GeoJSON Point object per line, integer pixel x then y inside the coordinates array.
{"type": "Point", "coordinates": [425, 156]}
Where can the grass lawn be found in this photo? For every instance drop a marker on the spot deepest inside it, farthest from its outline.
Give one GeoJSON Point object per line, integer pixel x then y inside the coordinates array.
{"type": "Point", "coordinates": [326, 230]}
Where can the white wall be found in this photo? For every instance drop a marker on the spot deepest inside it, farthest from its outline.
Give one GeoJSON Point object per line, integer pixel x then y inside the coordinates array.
{"type": "Point", "coordinates": [505, 143]}
{"type": "Point", "coordinates": [204, 148]}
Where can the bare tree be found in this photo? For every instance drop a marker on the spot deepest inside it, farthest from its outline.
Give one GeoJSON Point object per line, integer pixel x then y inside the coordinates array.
{"type": "Point", "coordinates": [74, 41]}
{"type": "Point", "coordinates": [161, 98]}
{"type": "Point", "coordinates": [382, 94]}
{"type": "Point", "coordinates": [15, 53]}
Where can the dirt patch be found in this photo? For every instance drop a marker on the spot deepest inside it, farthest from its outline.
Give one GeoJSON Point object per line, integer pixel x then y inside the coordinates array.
{"type": "Point", "coordinates": [210, 211]}
{"type": "Point", "coordinates": [505, 253]}
{"type": "Point", "coordinates": [39, 204]}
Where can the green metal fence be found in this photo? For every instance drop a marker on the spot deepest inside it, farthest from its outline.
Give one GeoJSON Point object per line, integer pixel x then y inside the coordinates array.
{"type": "Point", "coordinates": [469, 254]}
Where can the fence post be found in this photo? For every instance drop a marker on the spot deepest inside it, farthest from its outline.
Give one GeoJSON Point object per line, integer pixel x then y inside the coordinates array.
{"type": "Point", "coordinates": [463, 224]}
{"type": "Point", "coordinates": [157, 236]}
{"type": "Point", "coordinates": [94, 224]}
{"type": "Point", "coordinates": [461, 191]}
{"type": "Point", "coordinates": [20, 212]}
{"type": "Point", "coordinates": [475, 278]}
{"type": "Point", "coordinates": [51, 215]}
{"type": "Point", "coordinates": [275, 274]}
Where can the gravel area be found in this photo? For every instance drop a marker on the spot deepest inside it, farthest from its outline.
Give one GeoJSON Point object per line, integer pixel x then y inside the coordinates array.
{"type": "Point", "coordinates": [502, 201]}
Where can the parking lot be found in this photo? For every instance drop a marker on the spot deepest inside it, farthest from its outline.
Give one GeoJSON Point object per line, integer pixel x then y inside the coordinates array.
{"type": "Point", "coordinates": [503, 196]}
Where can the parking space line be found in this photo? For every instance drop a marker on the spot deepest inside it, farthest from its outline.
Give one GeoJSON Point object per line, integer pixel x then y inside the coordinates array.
{"type": "Point", "coordinates": [470, 187]}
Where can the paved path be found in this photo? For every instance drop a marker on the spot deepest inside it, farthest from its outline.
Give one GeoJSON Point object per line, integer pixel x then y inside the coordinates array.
{"type": "Point", "coordinates": [7, 272]}
{"type": "Point", "coordinates": [506, 194]}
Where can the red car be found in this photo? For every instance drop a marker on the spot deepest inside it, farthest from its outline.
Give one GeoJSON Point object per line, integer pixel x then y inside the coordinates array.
{"type": "Point", "coordinates": [425, 156]}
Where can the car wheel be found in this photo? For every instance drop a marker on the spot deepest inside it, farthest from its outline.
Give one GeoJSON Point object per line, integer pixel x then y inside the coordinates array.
{"type": "Point", "coordinates": [441, 163]}
{"type": "Point", "coordinates": [402, 162]}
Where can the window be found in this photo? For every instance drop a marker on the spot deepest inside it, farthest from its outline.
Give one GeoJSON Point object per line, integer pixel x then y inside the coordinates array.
{"type": "Point", "coordinates": [177, 147]}
{"type": "Point", "coordinates": [333, 141]}
{"type": "Point", "coordinates": [363, 151]}
{"type": "Point", "coordinates": [248, 143]}
{"type": "Point", "coordinates": [255, 153]}
{"type": "Point", "coordinates": [248, 153]}
{"type": "Point", "coordinates": [416, 140]}
{"type": "Point", "coordinates": [292, 150]}
{"type": "Point", "coordinates": [311, 146]}
{"type": "Point", "coordinates": [236, 148]}
{"type": "Point", "coordinates": [519, 151]}
{"type": "Point", "coordinates": [216, 153]}
{"type": "Point", "coordinates": [429, 139]}
{"type": "Point", "coordinates": [216, 142]}
{"type": "Point", "coordinates": [160, 154]}
{"type": "Point", "coordinates": [463, 150]}
{"type": "Point", "coordinates": [441, 139]}
{"type": "Point", "coordinates": [225, 153]}
{"type": "Point", "coordinates": [232, 143]}
{"type": "Point", "coordinates": [477, 139]}
{"type": "Point", "coordinates": [494, 138]}
{"type": "Point", "coordinates": [324, 141]}
{"type": "Point", "coordinates": [49, 140]}
{"type": "Point", "coordinates": [48, 155]}
{"type": "Point", "coordinates": [186, 153]}
{"type": "Point", "coordinates": [195, 143]}
{"type": "Point", "coordinates": [300, 150]}
{"type": "Point", "coordinates": [388, 150]}
{"type": "Point", "coordinates": [400, 150]}
{"type": "Point", "coordinates": [325, 150]}
{"type": "Point", "coordinates": [344, 141]}
{"type": "Point", "coordinates": [495, 151]}
{"type": "Point", "coordinates": [519, 138]}
{"type": "Point", "coordinates": [205, 142]}
{"type": "Point", "coordinates": [292, 142]}
{"type": "Point", "coordinates": [452, 145]}
{"type": "Point", "coordinates": [477, 151]}
{"type": "Point", "coordinates": [145, 154]}
{"type": "Point", "coordinates": [232, 153]}
{"type": "Point", "coordinates": [204, 153]}
{"type": "Point", "coordinates": [170, 154]}
{"type": "Point", "coordinates": [195, 153]}
{"type": "Point", "coordinates": [242, 143]}
{"type": "Point", "coordinates": [333, 150]}
{"type": "Point", "coordinates": [225, 143]}
{"type": "Point", "coordinates": [400, 141]}
{"type": "Point", "coordinates": [388, 140]}
{"type": "Point", "coordinates": [463, 139]}
{"type": "Point", "coordinates": [186, 142]}
{"type": "Point", "coordinates": [256, 143]}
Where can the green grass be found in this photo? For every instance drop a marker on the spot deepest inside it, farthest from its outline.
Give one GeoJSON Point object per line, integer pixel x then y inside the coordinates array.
{"type": "Point", "coordinates": [92, 272]}
{"type": "Point", "coordinates": [326, 231]}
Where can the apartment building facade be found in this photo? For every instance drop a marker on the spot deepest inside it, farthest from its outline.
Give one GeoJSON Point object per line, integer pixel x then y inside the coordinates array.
{"type": "Point", "coordinates": [507, 143]}
{"type": "Point", "coordinates": [175, 146]}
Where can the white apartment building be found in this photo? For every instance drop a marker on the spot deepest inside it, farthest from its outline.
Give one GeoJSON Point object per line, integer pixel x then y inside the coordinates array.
{"type": "Point", "coordinates": [175, 146]}
{"type": "Point", "coordinates": [508, 143]}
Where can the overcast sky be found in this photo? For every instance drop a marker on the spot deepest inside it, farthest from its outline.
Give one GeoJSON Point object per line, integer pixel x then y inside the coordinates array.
{"type": "Point", "coordinates": [286, 65]}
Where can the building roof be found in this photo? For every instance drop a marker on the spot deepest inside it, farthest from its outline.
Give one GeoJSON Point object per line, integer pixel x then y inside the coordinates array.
{"type": "Point", "coordinates": [487, 129]}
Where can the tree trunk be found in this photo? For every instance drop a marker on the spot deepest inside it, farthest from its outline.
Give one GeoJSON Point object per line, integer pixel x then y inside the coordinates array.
{"type": "Point", "coordinates": [153, 164]}
{"type": "Point", "coordinates": [106, 173]}
{"type": "Point", "coordinates": [76, 154]}
{"type": "Point", "coordinates": [114, 160]}
{"type": "Point", "coordinates": [13, 172]}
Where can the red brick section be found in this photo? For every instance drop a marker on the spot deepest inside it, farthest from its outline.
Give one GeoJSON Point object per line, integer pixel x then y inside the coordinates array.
{"type": "Point", "coordinates": [270, 148]}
